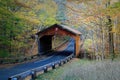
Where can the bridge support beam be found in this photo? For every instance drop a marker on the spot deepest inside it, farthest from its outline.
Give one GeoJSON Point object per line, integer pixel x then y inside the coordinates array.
{"type": "Point", "coordinates": [77, 46]}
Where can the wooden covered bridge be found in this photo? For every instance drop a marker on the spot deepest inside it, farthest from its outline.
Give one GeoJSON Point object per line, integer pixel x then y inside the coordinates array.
{"type": "Point", "coordinates": [45, 37]}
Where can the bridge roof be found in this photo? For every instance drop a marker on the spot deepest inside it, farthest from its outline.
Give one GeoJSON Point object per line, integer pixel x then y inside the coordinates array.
{"type": "Point", "coordinates": [63, 27]}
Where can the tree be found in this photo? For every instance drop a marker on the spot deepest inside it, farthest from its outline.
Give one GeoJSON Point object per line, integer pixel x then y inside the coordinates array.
{"type": "Point", "coordinates": [20, 20]}
{"type": "Point", "coordinates": [112, 11]}
{"type": "Point", "coordinates": [92, 13]}
{"type": "Point", "coordinates": [9, 26]}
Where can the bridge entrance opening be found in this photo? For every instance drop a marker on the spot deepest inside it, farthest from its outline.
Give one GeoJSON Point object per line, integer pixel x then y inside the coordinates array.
{"type": "Point", "coordinates": [46, 35]}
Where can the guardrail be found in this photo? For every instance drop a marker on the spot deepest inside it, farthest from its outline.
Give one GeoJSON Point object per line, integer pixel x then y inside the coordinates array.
{"type": "Point", "coordinates": [33, 73]}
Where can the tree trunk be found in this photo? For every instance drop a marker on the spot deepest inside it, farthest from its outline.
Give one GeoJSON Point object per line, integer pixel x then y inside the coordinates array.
{"type": "Point", "coordinates": [103, 44]}
{"type": "Point", "coordinates": [111, 42]}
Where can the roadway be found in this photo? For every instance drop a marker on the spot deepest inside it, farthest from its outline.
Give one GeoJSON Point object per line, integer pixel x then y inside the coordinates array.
{"type": "Point", "coordinates": [7, 72]}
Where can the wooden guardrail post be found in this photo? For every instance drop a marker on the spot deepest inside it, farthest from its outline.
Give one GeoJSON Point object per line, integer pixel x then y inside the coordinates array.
{"type": "Point", "coordinates": [33, 75]}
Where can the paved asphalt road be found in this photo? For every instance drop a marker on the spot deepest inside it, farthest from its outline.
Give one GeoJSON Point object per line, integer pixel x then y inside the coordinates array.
{"type": "Point", "coordinates": [7, 72]}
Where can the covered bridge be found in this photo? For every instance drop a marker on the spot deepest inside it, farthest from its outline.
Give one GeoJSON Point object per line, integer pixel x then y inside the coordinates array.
{"type": "Point", "coordinates": [45, 37]}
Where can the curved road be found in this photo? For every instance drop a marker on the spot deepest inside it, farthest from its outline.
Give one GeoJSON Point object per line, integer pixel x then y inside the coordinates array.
{"type": "Point", "coordinates": [7, 72]}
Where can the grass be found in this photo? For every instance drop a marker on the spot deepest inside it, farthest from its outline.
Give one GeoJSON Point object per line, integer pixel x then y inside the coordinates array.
{"type": "Point", "coordinates": [60, 72]}
{"type": "Point", "coordinates": [85, 70]}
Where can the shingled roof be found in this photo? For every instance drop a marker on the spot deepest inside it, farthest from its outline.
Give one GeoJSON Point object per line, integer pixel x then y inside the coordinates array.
{"type": "Point", "coordinates": [64, 27]}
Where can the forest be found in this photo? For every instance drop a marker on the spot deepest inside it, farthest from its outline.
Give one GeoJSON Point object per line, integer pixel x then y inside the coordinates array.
{"type": "Point", "coordinates": [97, 20]}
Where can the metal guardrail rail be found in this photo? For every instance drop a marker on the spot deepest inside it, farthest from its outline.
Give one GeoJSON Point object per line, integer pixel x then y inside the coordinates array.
{"type": "Point", "coordinates": [33, 73]}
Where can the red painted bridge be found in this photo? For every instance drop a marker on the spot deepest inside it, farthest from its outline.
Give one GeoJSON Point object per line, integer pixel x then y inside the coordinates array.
{"type": "Point", "coordinates": [45, 37]}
